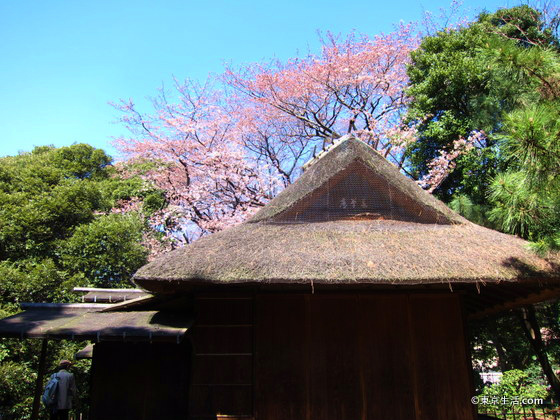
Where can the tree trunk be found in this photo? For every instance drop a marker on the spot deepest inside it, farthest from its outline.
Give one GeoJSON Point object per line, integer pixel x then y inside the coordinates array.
{"type": "Point", "coordinates": [503, 362]}
{"type": "Point", "coordinates": [39, 381]}
{"type": "Point", "coordinates": [532, 330]}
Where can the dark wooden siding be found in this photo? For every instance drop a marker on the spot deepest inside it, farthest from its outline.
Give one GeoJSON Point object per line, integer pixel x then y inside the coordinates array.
{"type": "Point", "coordinates": [368, 357]}
{"type": "Point", "coordinates": [222, 339]}
{"type": "Point", "coordinates": [386, 358]}
{"type": "Point", "coordinates": [440, 358]}
{"type": "Point", "coordinates": [335, 389]}
{"type": "Point", "coordinates": [139, 381]}
{"type": "Point", "coordinates": [281, 391]}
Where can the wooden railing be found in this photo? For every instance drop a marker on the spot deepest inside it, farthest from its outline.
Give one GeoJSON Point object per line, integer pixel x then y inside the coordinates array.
{"type": "Point", "coordinates": [43, 416]}
{"type": "Point", "coordinates": [518, 413]}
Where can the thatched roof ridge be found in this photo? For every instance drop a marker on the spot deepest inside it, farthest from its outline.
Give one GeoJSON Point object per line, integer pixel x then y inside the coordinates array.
{"type": "Point", "coordinates": [346, 151]}
{"type": "Point", "coordinates": [350, 252]}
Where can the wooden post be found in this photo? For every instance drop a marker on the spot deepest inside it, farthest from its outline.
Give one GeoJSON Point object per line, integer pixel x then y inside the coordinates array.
{"type": "Point", "coordinates": [39, 381]}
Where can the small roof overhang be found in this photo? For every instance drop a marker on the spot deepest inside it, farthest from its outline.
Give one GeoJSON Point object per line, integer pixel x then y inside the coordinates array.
{"type": "Point", "coordinates": [85, 353]}
{"type": "Point", "coordinates": [95, 323]}
{"type": "Point", "coordinates": [98, 295]}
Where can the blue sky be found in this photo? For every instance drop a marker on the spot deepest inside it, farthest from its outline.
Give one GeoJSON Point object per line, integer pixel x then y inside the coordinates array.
{"type": "Point", "coordinates": [61, 62]}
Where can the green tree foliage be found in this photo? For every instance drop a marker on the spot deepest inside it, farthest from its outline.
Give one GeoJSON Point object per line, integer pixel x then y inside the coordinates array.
{"type": "Point", "coordinates": [526, 198]}
{"type": "Point", "coordinates": [106, 251]}
{"type": "Point", "coordinates": [515, 385]}
{"type": "Point", "coordinates": [498, 342]}
{"type": "Point", "coordinates": [500, 74]}
{"type": "Point", "coordinates": [58, 231]}
{"type": "Point", "coordinates": [458, 87]}
{"type": "Point", "coordinates": [524, 24]}
{"type": "Point", "coordinates": [18, 373]}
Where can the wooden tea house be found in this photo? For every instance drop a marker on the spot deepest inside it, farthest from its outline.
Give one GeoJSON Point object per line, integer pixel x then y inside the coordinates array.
{"type": "Point", "coordinates": [345, 298]}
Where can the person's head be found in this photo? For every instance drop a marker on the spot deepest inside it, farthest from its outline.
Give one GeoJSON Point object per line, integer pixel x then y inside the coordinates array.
{"type": "Point", "coordinates": [64, 364]}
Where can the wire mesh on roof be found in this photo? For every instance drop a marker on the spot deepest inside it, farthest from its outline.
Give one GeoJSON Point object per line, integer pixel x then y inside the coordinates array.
{"type": "Point", "coordinates": [356, 193]}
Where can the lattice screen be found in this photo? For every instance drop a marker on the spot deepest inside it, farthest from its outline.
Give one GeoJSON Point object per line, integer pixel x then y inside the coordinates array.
{"type": "Point", "coordinates": [356, 193]}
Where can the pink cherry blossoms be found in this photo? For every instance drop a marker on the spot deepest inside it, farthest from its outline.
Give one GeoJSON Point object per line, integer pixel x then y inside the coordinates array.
{"type": "Point", "coordinates": [443, 165]}
{"type": "Point", "coordinates": [355, 86]}
{"type": "Point", "coordinates": [210, 180]}
{"type": "Point", "coordinates": [222, 150]}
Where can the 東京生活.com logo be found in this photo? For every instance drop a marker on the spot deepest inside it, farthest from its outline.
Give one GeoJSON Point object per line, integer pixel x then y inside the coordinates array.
{"type": "Point", "coordinates": [483, 400]}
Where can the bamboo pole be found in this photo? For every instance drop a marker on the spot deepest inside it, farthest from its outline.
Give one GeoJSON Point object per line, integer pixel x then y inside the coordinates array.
{"type": "Point", "coordinates": [39, 381]}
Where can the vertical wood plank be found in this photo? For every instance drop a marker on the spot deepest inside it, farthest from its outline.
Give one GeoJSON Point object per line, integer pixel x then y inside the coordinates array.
{"type": "Point", "coordinates": [335, 391]}
{"type": "Point", "coordinates": [386, 359]}
{"type": "Point", "coordinates": [440, 357]}
{"type": "Point", "coordinates": [280, 392]}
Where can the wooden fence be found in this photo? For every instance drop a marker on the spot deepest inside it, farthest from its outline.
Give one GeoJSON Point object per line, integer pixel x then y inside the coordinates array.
{"type": "Point", "coordinates": [44, 416]}
{"type": "Point", "coordinates": [518, 413]}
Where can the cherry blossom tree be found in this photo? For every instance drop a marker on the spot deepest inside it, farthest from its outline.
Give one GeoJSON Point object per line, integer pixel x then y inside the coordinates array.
{"type": "Point", "coordinates": [210, 180]}
{"type": "Point", "coordinates": [441, 166]}
{"type": "Point", "coordinates": [355, 86]}
{"type": "Point", "coordinates": [223, 149]}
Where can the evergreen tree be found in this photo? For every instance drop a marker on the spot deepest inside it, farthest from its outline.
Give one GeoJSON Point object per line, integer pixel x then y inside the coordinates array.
{"type": "Point", "coordinates": [458, 85]}
{"type": "Point", "coordinates": [60, 227]}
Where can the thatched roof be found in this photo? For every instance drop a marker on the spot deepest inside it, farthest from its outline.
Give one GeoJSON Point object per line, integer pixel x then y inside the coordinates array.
{"type": "Point", "coordinates": [352, 218]}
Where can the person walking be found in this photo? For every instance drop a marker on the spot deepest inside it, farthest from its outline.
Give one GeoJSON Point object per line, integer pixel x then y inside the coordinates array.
{"type": "Point", "coordinates": [66, 391]}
